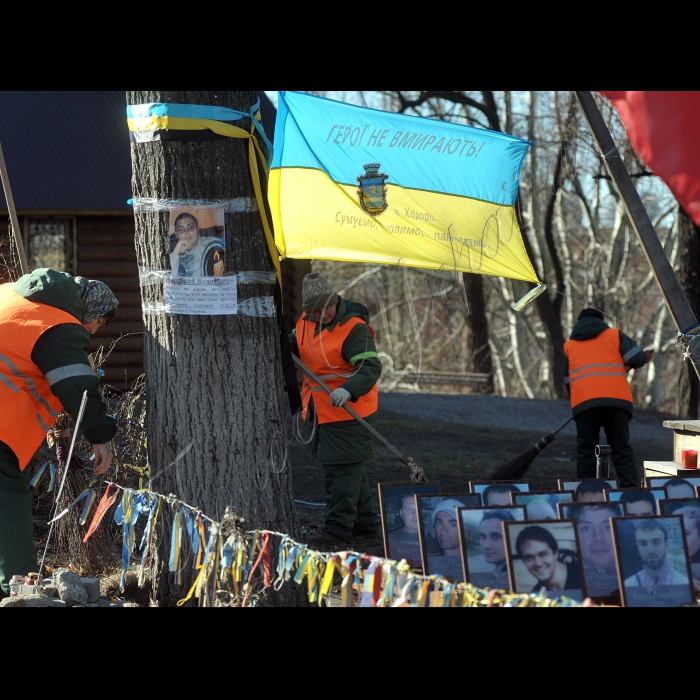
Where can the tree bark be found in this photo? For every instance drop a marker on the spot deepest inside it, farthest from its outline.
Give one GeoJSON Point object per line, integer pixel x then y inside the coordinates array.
{"type": "Point", "coordinates": [688, 396]}
{"type": "Point", "coordinates": [478, 353]}
{"type": "Point", "coordinates": [216, 417]}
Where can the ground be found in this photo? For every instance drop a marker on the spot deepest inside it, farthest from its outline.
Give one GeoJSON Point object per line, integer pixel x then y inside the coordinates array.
{"type": "Point", "coordinates": [459, 438]}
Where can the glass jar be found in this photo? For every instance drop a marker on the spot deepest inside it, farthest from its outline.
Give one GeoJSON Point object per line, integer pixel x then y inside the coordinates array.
{"type": "Point", "coordinates": [15, 582]}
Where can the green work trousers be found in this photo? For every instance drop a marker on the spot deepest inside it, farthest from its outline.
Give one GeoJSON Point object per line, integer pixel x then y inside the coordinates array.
{"type": "Point", "coordinates": [615, 422]}
{"type": "Point", "coordinates": [18, 553]}
{"type": "Point", "coordinates": [349, 503]}
{"type": "Point", "coordinates": [345, 447]}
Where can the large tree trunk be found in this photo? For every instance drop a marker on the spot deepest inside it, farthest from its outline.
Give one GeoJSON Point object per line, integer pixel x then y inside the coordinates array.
{"type": "Point", "coordinates": [214, 384]}
{"type": "Point", "coordinates": [688, 397]}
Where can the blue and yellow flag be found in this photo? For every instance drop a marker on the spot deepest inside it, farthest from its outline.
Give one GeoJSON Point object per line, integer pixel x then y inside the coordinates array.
{"type": "Point", "coordinates": [357, 184]}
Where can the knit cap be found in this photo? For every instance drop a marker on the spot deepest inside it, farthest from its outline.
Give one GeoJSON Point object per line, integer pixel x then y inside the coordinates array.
{"type": "Point", "coordinates": [316, 293]}
{"type": "Point", "coordinates": [98, 299]}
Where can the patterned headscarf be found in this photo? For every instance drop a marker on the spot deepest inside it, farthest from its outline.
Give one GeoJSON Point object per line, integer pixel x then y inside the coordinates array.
{"type": "Point", "coordinates": [98, 299]}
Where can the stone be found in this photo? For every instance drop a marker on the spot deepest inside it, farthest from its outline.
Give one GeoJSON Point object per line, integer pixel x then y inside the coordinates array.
{"type": "Point", "coordinates": [26, 601]}
{"type": "Point", "coordinates": [70, 587]}
{"type": "Point", "coordinates": [92, 588]}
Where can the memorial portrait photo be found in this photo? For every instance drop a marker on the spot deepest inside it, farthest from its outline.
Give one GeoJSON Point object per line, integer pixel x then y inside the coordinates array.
{"type": "Point", "coordinates": [439, 533]}
{"type": "Point", "coordinates": [497, 493]}
{"type": "Point", "coordinates": [542, 505]}
{"type": "Point", "coordinates": [596, 546]}
{"type": "Point", "coordinates": [543, 559]}
{"type": "Point", "coordinates": [397, 505]}
{"type": "Point", "coordinates": [652, 560]}
{"type": "Point", "coordinates": [483, 544]}
{"type": "Point", "coordinates": [197, 242]}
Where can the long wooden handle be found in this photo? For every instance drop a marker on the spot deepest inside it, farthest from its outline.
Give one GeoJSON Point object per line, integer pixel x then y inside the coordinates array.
{"type": "Point", "coordinates": [360, 420]}
{"type": "Point", "coordinates": [13, 215]}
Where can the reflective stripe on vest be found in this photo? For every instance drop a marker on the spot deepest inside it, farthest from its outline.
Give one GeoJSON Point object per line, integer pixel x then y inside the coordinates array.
{"type": "Point", "coordinates": [28, 407]}
{"type": "Point", "coordinates": [597, 369]}
{"type": "Point", "coordinates": [323, 355]}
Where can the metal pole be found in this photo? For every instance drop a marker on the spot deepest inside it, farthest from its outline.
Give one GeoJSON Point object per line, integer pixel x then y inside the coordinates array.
{"type": "Point", "coordinates": [678, 305]}
{"type": "Point", "coordinates": [354, 414]}
{"type": "Point", "coordinates": [602, 462]}
{"type": "Point", "coordinates": [24, 266]}
{"type": "Point", "coordinates": [63, 479]}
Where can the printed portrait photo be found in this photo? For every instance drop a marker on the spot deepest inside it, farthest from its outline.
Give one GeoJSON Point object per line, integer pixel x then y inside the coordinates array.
{"type": "Point", "coordinates": [596, 546]}
{"type": "Point", "coordinates": [541, 505]}
{"type": "Point", "coordinates": [653, 561]}
{"type": "Point", "coordinates": [638, 501]}
{"type": "Point", "coordinates": [543, 559]}
{"type": "Point", "coordinates": [439, 533]}
{"type": "Point", "coordinates": [197, 241]}
{"type": "Point", "coordinates": [689, 508]}
{"type": "Point", "coordinates": [483, 544]}
{"type": "Point", "coordinates": [588, 490]}
{"type": "Point", "coordinates": [399, 513]}
{"type": "Point", "coordinates": [676, 487]}
{"type": "Point", "coordinates": [497, 493]}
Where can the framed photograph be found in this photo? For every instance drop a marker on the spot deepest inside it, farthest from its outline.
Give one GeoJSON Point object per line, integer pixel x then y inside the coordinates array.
{"type": "Point", "coordinates": [543, 558]}
{"type": "Point", "coordinates": [497, 493]}
{"type": "Point", "coordinates": [400, 519]}
{"type": "Point", "coordinates": [652, 560]}
{"type": "Point", "coordinates": [689, 508]}
{"type": "Point", "coordinates": [638, 501]}
{"type": "Point", "coordinates": [438, 530]}
{"type": "Point", "coordinates": [676, 487]}
{"type": "Point", "coordinates": [542, 505]}
{"type": "Point", "coordinates": [483, 546]}
{"type": "Point", "coordinates": [596, 546]}
{"type": "Point", "coordinates": [589, 490]}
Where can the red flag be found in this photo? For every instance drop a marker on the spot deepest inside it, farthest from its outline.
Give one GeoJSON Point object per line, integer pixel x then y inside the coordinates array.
{"type": "Point", "coordinates": [664, 128]}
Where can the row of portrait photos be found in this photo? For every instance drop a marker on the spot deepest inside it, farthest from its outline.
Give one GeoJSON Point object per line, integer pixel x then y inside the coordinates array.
{"type": "Point", "coordinates": [636, 547]}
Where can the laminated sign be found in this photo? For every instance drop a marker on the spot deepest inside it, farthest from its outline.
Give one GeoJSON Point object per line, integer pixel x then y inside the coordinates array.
{"type": "Point", "coordinates": [357, 184]}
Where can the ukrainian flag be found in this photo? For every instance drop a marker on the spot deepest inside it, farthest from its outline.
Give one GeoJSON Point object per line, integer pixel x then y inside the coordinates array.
{"type": "Point", "coordinates": [362, 185]}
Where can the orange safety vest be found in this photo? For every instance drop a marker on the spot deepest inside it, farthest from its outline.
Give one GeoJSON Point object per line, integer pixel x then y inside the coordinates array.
{"type": "Point", "coordinates": [28, 408]}
{"type": "Point", "coordinates": [323, 355]}
{"type": "Point", "coordinates": [596, 369]}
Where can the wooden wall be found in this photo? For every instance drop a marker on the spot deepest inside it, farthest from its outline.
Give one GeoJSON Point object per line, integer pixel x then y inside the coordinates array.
{"type": "Point", "coordinates": [106, 252]}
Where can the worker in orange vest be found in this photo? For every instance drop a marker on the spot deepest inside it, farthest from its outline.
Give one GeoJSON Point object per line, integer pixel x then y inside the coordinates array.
{"type": "Point", "coordinates": [334, 340]}
{"type": "Point", "coordinates": [596, 361]}
{"type": "Point", "coordinates": [46, 320]}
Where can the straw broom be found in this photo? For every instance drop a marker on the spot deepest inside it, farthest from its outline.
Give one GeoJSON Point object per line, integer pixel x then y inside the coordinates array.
{"type": "Point", "coordinates": [516, 467]}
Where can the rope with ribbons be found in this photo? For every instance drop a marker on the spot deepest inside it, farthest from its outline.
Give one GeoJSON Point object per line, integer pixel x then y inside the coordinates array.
{"type": "Point", "coordinates": [235, 569]}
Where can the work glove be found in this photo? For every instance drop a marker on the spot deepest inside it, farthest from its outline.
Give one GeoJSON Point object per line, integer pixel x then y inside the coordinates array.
{"type": "Point", "coordinates": [650, 355]}
{"type": "Point", "coordinates": [339, 397]}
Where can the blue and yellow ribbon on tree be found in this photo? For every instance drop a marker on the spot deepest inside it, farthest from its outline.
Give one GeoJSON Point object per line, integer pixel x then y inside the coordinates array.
{"type": "Point", "coordinates": [163, 121]}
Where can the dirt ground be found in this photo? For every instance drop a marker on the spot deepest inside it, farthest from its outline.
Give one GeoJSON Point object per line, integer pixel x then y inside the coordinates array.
{"type": "Point", "coordinates": [456, 439]}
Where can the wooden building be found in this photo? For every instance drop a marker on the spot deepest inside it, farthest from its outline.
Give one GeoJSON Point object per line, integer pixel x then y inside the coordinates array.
{"type": "Point", "coordinates": [69, 165]}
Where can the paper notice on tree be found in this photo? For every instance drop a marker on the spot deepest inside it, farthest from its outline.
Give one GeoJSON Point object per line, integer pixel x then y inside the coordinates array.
{"type": "Point", "coordinates": [204, 296]}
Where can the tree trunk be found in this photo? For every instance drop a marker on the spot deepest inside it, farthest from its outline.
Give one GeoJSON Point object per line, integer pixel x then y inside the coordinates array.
{"type": "Point", "coordinates": [216, 417]}
{"type": "Point", "coordinates": [688, 397]}
{"type": "Point", "coordinates": [478, 353]}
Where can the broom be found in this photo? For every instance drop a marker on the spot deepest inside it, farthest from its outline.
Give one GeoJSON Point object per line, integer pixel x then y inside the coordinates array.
{"type": "Point", "coordinates": [516, 467]}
